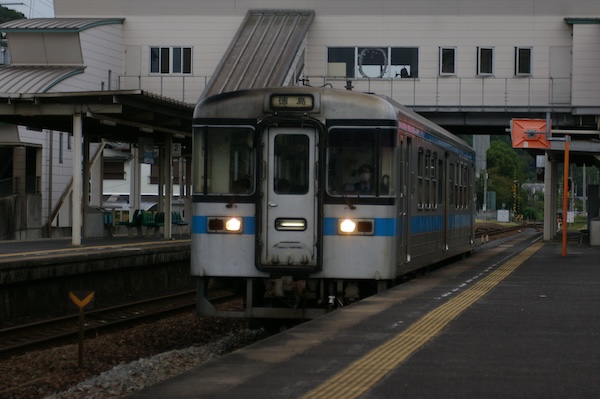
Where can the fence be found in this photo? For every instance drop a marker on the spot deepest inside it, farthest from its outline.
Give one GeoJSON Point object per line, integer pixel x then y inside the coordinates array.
{"type": "Point", "coordinates": [9, 186]}
{"type": "Point", "coordinates": [437, 92]}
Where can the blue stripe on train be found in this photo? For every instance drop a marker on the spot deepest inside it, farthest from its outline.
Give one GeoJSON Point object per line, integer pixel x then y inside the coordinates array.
{"type": "Point", "coordinates": [384, 227]}
{"type": "Point", "coordinates": [199, 225]}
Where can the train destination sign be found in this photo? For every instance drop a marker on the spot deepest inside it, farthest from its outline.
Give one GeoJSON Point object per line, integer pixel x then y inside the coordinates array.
{"type": "Point", "coordinates": [293, 102]}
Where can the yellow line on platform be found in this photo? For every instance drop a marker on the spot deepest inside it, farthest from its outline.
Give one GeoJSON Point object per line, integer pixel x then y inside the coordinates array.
{"type": "Point", "coordinates": [86, 247]}
{"type": "Point", "coordinates": [367, 371]}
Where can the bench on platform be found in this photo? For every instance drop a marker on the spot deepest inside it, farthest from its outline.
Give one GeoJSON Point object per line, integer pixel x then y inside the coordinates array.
{"type": "Point", "coordinates": [153, 221]}
{"type": "Point", "coordinates": [136, 221]}
{"type": "Point", "coordinates": [177, 221]}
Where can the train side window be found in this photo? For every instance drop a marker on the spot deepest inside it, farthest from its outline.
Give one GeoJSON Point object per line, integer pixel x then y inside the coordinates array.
{"type": "Point", "coordinates": [427, 181]}
{"type": "Point", "coordinates": [465, 180]}
{"type": "Point", "coordinates": [198, 160]}
{"type": "Point", "coordinates": [349, 149]}
{"type": "Point", "coordinates": [451, 184]}
{"type": "Point", "coordinates": [457, 190]}
{"type": "Point", "coordinates": [420, 173]}
{"type": "Point", "coordinates": [434, 182]}
{"type": "Point", "coordinates": [441, 178]}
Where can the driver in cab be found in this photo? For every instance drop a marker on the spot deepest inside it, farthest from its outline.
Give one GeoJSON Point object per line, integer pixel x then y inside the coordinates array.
{"type": "Point", "coordinates": [365, 184]}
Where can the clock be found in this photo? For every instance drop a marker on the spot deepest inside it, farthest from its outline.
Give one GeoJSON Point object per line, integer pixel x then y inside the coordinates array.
{"type": "Point", "coordinates": [372, 62]}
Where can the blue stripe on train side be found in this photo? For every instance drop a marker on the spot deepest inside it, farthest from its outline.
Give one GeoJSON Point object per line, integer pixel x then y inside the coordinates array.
{"type": "Point", "coordinates": [199, 225]}
{"type": "Point", "coordinates": [426, 224]}
{"type": "Point", "coordinates": [384, 227]}
{"type": "Point", "coordinates": [458, 221]}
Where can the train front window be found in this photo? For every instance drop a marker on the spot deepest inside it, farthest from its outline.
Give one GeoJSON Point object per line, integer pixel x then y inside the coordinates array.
{"type": "Point", "coordinates": [226, 162]}
{"type": "Point", "coordinates": [291, 164]}
{"type": "Point", "coordinates": [361, 162]}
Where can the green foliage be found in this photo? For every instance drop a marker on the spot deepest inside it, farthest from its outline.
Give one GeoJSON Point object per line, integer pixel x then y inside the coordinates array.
{"type": "Point", "coordinates": [6, 14]}
{"type": "Point", "coordinates": [504, 161]}
{"type": "Point", "coordinates": [507, 170]}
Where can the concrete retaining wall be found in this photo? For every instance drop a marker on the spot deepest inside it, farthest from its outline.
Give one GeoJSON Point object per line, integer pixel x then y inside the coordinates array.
{"type": "Point", "coordinates": [39, 288]}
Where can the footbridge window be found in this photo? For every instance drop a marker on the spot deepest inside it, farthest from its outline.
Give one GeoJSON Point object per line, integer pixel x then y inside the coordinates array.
{"type": "Point", "coordinates": [373, 62]}
{"type": "Point", "coordinates": [171, 60]}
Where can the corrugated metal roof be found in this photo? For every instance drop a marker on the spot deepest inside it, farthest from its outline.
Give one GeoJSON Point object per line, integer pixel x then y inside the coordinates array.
{"type": "Point", "coordinates": [262, 52]}
{"type": "Point", "coordinates": [56, 24]}
{"type": "Point", "coordinates": [33, 79]}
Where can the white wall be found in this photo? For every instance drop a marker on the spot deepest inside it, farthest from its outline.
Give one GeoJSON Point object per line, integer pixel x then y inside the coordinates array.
{"type": "Point", "coordinates": [586, 65]}
{"type": "Point", "coordinates": [59, 164]}
{"type": "Point", "coordinates": [102, 49]}
{"type": "Point", "coordinates": [209, 26]}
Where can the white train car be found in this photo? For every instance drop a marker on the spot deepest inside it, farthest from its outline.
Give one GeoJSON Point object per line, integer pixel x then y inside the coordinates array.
{"type": "Point", "coordinates": [309, 198]}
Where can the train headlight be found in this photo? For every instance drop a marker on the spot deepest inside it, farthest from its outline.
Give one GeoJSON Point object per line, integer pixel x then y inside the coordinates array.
{"type": "Point", "coordinates": [233, 225]}
{"type": "Point", "coordinates": [363, 227]}
{"type": "Point", "coordinates": [347, 226]}
{"type": "Point", "coordinates": [225, 224]}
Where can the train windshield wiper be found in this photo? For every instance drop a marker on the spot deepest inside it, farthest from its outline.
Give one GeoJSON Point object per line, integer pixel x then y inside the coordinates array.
{"type": "Point", "coordinates": [344, 196]}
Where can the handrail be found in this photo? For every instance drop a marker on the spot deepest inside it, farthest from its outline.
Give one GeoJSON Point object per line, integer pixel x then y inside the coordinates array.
{"type": "Point", "coordinates": [438, 92]}
{"type": "Point", "coordinates": [9, 186]}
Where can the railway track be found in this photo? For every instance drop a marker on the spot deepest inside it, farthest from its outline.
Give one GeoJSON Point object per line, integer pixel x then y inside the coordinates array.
{"type": "Point", "coordinates": [38, 334]}
{"type": "Point", "coordinates": [25, 337]}
{"type": "Point", "coordinates": [484, 234]}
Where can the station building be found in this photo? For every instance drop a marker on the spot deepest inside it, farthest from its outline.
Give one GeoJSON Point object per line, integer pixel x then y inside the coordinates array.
{"type": "Point", "coordinates": [125, 75]}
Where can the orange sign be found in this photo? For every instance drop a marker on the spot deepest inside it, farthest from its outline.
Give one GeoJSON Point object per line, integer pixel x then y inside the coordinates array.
{"type": "Point", "coordinates": [529, 133]}
{"type": "Point", "coordinates": [81, 303]}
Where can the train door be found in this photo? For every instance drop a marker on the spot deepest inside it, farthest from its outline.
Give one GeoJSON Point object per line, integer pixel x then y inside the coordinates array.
{"type": "Point", "coordinates": [288, 237]}
{"type": "Point", "coordinates": [447, 184]}
{"type": "Point", "coordinates": [409, 179]}
{"type": "Point", "coordinates": [402, 202]}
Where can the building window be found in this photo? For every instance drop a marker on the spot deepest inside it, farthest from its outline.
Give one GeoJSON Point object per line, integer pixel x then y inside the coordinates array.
{"type": "Point", "coordinates": [485, 61]}
{"type": "Point", "coordinates": [404, 62]}
{"type": "Point", "coordinates": [113, 170]}
{"type": "Point", "coordinates": [154, 173]}
{"type": "Point", "coordinates": [171, 60]}
{"type": "Point", "coordinates": [373, 62]}
{"type": "Point", "coordinates": [447, 61]}
{"type": "Point", "coordinates": [60, 147]}
{"type": "Point", "coordinates": [523, 61]}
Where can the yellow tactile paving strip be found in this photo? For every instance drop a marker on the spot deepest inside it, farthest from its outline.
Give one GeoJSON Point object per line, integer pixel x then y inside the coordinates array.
{"type": "Point", "coordinates": [367, 371]}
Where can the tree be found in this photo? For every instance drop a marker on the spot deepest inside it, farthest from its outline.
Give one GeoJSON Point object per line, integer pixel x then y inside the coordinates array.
{"type": "Point", "coordinates": [507, 171]}
{"type": "Point", "coordinates": [6, 14]}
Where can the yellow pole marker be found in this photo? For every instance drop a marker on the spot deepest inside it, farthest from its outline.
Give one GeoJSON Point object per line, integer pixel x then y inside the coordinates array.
{"type": "Point", "coordinates": [81, 303]}
{"type": "Point", "coordinates": [367, 371]}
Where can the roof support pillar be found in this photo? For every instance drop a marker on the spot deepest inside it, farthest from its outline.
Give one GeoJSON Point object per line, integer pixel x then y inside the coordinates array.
{"type": "Point", "coordinates": [85, 198]}
{"type": "Point", "coordinates": [135, 197]}
{"type": "Point", "coordinates": [550, 199]}
{"type": "Point", "coordinates": [77, 180]}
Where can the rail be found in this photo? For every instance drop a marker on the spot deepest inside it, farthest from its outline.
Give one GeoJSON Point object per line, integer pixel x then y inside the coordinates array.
{"type": "Point", "coordinates": [485, 234]}
{"type": "Point", "coordinates": [24, 337]}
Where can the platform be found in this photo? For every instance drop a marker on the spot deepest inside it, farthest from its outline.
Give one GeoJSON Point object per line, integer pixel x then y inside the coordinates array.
{"type": "Point", "coordinates": [37, 276]}
{"type": "Point", "coordinates": [517, 320]}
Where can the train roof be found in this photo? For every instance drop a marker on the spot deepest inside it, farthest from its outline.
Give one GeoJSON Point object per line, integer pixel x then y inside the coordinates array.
{"type": "Point", "coordinates": [253, 104]}
{"type": "Point", "coordinates": [426, 124]}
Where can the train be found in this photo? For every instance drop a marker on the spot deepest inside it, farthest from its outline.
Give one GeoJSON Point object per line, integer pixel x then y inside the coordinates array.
{"type": "Point", "coordinates": [306, 199]}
